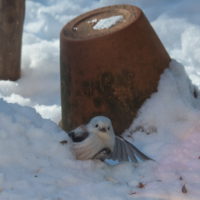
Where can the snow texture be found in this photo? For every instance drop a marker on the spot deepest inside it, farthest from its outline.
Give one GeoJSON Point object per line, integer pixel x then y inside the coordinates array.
{"type": "Point", "coordinates": [107, 23]}
{"type": "Point", "coordinates": [36, 161]}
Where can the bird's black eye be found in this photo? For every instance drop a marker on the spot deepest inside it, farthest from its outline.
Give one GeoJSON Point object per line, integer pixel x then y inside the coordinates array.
{"type": "Point", "coordinates": [96, 125]}
{"type": "Point", "coordinates": [109, 128]}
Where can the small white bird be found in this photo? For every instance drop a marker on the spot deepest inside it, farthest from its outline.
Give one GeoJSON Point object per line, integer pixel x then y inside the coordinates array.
{"type": "Point", "coordinates": [97, 140]}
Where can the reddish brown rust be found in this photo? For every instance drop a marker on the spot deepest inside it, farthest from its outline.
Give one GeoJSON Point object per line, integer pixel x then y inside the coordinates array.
{"type": "Point", "coordinates": [111, 71]}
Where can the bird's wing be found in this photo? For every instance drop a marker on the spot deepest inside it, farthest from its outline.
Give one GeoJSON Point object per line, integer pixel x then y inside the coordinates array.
{"type": "Point", "coordinates": [79, 134]}
{"type": "Point", "coordinates": [125, 151]}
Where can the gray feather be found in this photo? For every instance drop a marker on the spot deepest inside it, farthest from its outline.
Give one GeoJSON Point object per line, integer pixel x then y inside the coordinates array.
{"type": "Point", "coordinates": [125, 151]}
{"type": "Point", "coordinates": [124, 156]}
{"type": "Point", "coordinates": [137, 152]}
{"type": "Point", "coordinates": [131, 154]}
{"type": "Point", "coordinates": [116, 151]}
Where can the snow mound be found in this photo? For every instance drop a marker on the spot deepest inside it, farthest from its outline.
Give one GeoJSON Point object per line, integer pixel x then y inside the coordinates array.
{"type": "Point", "coordinates": [35, 164]}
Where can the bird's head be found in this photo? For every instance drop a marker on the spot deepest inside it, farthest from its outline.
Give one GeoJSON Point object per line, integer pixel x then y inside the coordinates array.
{"type": "Point", "coordinates": [101, 126]}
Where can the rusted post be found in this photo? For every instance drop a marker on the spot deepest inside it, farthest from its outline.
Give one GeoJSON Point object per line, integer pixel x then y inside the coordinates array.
{"type": "Point", "coordinates": [11, 27]}
{"type": "Point", "coordinates": [108, 71]}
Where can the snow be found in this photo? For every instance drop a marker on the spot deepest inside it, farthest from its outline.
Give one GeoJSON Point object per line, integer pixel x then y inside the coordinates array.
{"type": "Point", "coordinates": [34, 164]}
{"type": "Point", "coordinates": [92, 21]}
{"type": "Point", "coordinates": [107, 23]}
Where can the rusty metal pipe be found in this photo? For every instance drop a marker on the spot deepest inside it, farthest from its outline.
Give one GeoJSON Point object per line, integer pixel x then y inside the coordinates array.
{"type": "Point", "coordinates": [108, 71]}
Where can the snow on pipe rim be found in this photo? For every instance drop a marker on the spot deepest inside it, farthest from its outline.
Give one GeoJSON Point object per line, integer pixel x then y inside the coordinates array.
{"type": "Point", "coordinates": [108, 22]}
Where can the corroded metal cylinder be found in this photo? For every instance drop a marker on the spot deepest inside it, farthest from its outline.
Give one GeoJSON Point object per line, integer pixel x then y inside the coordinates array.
{"type": "Point", "coordinates": [111, 61]}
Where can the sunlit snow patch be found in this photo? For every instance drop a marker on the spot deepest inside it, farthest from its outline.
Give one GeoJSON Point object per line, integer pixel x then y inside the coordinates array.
{"type": "Point", "coordinates": [107, 22]}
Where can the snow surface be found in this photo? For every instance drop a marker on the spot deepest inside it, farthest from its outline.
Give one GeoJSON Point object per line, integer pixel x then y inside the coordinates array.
{"type": "Point", "coordinates": [107, 23]}
{"type": "Point", "coordinates": [34, 164]}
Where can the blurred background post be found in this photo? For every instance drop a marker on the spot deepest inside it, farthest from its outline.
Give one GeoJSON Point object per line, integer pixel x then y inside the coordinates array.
{"type": "Point", "coordinates": [11, 28]}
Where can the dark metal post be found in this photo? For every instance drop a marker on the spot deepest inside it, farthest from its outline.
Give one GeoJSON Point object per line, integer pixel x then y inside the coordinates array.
{"type": "Point", "coordinates": [11, 27]}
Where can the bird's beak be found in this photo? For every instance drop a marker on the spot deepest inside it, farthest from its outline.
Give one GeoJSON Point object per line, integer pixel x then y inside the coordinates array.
{"type": "Point", "coordinates": [102, 129]}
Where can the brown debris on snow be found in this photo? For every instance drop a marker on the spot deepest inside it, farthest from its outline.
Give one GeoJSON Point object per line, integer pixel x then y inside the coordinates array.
{"type": "Point", "coordinates": [184, 189]}
{"type": "Point", "coordinates": [63, 142]}
{"type": "Point", "coordinates": [141, 185]}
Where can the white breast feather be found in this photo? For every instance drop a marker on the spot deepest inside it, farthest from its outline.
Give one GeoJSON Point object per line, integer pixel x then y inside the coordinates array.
{"type": "Point", "coordinates": [88, 148]}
